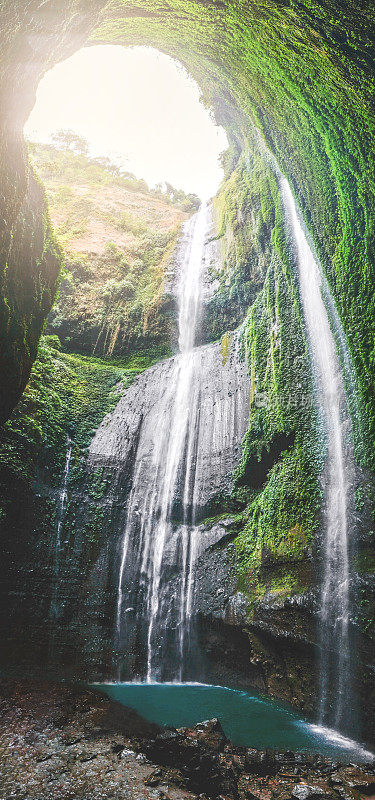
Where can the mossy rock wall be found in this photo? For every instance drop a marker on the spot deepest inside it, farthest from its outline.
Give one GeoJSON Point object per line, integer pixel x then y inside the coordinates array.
{"type": "Point", "coordinates": [301, 75]}
{"type": "Point", "coordinates": [65, 401]}
{"type": "Point", "coordinates": [301, 72]}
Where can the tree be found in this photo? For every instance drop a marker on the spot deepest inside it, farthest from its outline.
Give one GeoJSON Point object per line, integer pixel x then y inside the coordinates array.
{"type": "Point", "coordinates": [67, 139]}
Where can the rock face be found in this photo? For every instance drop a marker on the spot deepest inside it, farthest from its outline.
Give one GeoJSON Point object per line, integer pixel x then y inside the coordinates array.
{"type": "Point", "coordinates": [133, 442]}
{"type": "Point", "coordinates": [30, 258]}
{"type": "Point", "coordinates": [270, 648]}
{"type": "Point", "coordinates": [71, 564]}
{"type": "Point", "coordinates": [223, 397]}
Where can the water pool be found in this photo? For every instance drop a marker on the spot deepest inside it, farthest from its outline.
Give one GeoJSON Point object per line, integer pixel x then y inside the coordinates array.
{"type": "Point", "coordinates": [247, 719]}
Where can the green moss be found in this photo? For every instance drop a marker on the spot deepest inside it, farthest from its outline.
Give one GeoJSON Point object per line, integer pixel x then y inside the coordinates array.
{"type": "Point", "coordinates": [365, 562]}
{"type": "Point", "coordinates": [302, 73]}
{"type": "Point", "coordinates": [244, 216]}
{"type": "Point", "coordinates": [66, 394]}
{"type": "Point", "coordinates": [28, 287]}
{"type": "Point", "coordinates": [282, 518]}
{"type": "Point", "coordinates": [282, 456]}
{"type": "Point", "coordinates": [279, 580]}
{"type": "Point", "coordinates": [225, 347]}
{"type": "Point", "coordinates": [112, 300]}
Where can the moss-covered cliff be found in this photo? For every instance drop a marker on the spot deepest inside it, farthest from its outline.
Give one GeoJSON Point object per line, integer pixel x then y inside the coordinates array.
{"type": "Point", "coordinates": [300, 76]}
{"type": "Point", "coordinates": [118, 238]}
{"type": "Point", "coordinates": [65, 401]}
{"type": "Point", "coordinates": [301, 72]}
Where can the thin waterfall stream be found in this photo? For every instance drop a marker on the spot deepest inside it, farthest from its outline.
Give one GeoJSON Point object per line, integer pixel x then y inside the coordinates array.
{"type": "Point", "coordinates": [335, 689]}
{"type": "Point", "coordinates": [55, 605]}
{"type": "Point", "coordinates": [61, 509]}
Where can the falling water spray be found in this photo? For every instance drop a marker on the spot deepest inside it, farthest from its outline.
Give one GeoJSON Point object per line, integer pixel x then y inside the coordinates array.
{"type": "Point", "coordinates": [335, 684]}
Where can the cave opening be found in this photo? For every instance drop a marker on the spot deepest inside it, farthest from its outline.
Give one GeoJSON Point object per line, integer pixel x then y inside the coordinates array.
{"type": "Point", "coordinates": [138, 107]}
{"type": "Point", "coordinates": [127, 151]}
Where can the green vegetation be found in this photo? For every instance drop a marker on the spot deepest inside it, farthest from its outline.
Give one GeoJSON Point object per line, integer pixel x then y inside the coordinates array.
{"type": "Point", "coordinates": [244, 213]}
{"type": "Point", "coordinates": [282, 453]}
{"type": "Point", "coordinates": [119, 238]}
{"type": "Point", "coordinates": [302, 73]}
{"type": "Point", "coordinates": [66, 394]}
{"type": "Point", "coordinates": [67, 160]}
{"type": "Point", "coordinates": [28, 283]}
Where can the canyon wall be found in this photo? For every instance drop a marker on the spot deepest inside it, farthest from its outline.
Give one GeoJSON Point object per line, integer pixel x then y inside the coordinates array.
{"type": "Point", "coordinates": [300, 77]}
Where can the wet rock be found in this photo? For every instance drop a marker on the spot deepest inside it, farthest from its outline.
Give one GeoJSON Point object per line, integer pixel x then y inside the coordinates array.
{"type": "Point", "coordinates": [196, 752]}
{"type": "Point", "coordinates": [88, 757]}
{"type": "Point", "coordinates": [154, 779]}
{"type": "Point", "coordinates": [357, 779]}
{"type": "Point", "coordinates": [261, 762]}
{"type": "Point", "coordinates": [335, 779]}
{"type": "Point", "coordinates": [305, 792]}
{"type": "Point", "coordinates": [209, 734]}
{"type": "Point", "coordinates": [346, 793]}
{"type": "Point", "coordinates": [117, 748]}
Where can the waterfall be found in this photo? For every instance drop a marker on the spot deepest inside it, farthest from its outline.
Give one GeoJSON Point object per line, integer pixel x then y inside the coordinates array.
{"type": "Point", "coordinates": [63, 496]}
{"type": "Point", "coordinates": [335, 690]}
{"type": "Point", "coordinates": [173, 441]}
{"type": "Point", "coordinates": [60, 516]}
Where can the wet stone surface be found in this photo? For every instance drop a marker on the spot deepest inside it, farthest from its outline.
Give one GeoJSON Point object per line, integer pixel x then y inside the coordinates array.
{"type": "Point", "coordinates": [72, 744]}
{"type": "Point", "coordinates": [60, 743]}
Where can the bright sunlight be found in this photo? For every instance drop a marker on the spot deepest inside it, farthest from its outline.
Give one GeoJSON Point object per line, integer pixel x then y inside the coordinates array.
{"type": "Point", "coordinates": [138, 107]}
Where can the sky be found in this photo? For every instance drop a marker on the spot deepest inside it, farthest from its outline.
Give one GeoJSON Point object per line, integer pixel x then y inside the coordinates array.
{"type": "Point", "coordinates": [139, 107]}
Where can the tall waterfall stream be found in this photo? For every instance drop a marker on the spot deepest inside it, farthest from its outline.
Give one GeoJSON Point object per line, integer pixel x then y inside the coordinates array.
{"type": "Point", "coordinates": [335, 690]}
{"type": "Point", "coordinates": [175, 430]}
{"type": "Point", "coordinates": [180, 425]}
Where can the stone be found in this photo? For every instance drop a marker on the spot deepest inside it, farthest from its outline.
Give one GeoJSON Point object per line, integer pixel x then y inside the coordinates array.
{"type": "Point", "coordinates": [117, 748]}
{"type": "Point", "coordinates": [305, 792]}
{"type": "Point", "coordinates": [127, 753]}
{"type": "Point", "coordinates": [154, 779]}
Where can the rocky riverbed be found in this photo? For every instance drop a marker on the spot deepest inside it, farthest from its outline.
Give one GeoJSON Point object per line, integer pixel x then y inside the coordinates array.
{"type": "Point", "coordinates": [68, 743]}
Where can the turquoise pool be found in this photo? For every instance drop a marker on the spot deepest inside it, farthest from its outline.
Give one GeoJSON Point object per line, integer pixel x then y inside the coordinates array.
{"type": "Point", "coordinates": [247, 719]}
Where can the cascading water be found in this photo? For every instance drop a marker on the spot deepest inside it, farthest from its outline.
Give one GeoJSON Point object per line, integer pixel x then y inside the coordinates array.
{"type": "Point", "coordinates": [55, 606]}
{"type": "Point", "coordinates": [335, 700]}
{"type": "Point", "coordinates": [61, 509]}
{"type": "Point", "coordinates": [175, 438]}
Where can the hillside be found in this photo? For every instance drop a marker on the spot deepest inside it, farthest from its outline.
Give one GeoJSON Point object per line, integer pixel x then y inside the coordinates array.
{"type": "Point", "coordinates": [118, 237]}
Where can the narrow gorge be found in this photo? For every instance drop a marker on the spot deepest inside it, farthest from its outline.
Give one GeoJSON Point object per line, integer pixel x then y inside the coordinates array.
{"type": "Point", "coordinates": [187, 400]}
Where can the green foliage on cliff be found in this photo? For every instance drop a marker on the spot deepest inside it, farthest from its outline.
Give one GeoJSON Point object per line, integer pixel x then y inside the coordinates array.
{"type": "Point", "coordinates": [70, 163]}
{"type": "Point", "coordinates": [66, 394]}
{"type": "Point", "coordinates": [244, 216]}
{"type": "Point", "coordinates": [28, 281]}
{"type": "Point", "coordinates": [302, 72]}
{"type": "Point", "coordinates": [119, 237]}
{"type": "Point", "coordinates": [277, 480]}
{"type": "Point", "coordinates": [281, 453]}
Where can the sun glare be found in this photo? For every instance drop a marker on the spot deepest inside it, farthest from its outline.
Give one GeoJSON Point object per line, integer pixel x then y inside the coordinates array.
{"type": "Point", "coordinates": [137, 106]}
